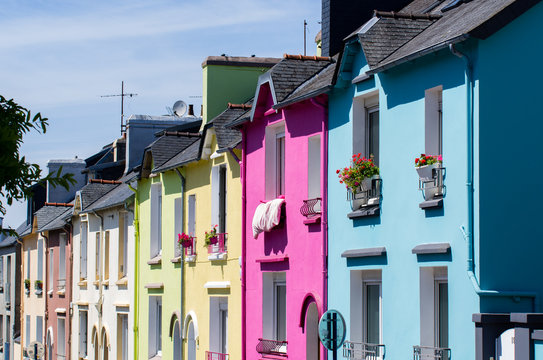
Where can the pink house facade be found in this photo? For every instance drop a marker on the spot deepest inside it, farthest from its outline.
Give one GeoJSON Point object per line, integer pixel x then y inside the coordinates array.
{"type": "Point", "coordinates": [284, 156]}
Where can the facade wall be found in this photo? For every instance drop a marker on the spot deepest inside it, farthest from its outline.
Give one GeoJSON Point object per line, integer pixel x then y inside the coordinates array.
{"type": "Point", "coordinates": [10, 300]}
{"type": "Point", "coordinates": [402, 225]}
{"type": "Point", "coordinates": [298, 249]}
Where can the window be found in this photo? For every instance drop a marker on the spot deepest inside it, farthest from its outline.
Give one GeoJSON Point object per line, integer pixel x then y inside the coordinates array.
{"type": "Point", "coordinates": [156, 219]}
{"type": "Point", "coordinates": [274, 310]}
{"type": "Point", "coordinates": [97, 257]}
{"type": "Point", "coordinates": [275, 160]}
{"type": "Point", "coordinates": [8, 327]}
{"type": "Point", "coordinates": [82, 333]}
{"type": "Point", "coordinates": [2, 329]}
{"type": "Point", "coordinates": [106, 256]}
{"type": "Point", "coordinates": [366, 310]}
{"type": "Point", "coordinates": [1, 272]}
{"type": "Point", "coordinates": [28, 263]}
{"type": "Point", "coordinates": [177, 224]}
{"type": "Point", "coordinates": [40, 260]}
{"type": "Point", "coordinates": [314, 167]}
{"type": "Point", "coordinates": [192, 215]}
{"type": "Point", "coordinates": [218, 197]}
{"type": "Point", "coordinates": [39, 329]}
{"type": "Point", "coordinates": [433, 121]}
{"type": "Point", "coordinates": [434, 307]}
{"type": "Point", "coordinates": [218, 324]}
{"type": "Point", "coordinates": [7, 295]}
{"type": "Point", "coordinates": [123, 244]}
{"type": "Point", "coordinates": [62, 261]}
{"type": "Point", "coordinates": [61, 333]}
{"type": "Point", "coordinates": [50, 276]}
{"type": "Point", "coordinates": [155, 326]}
{"type": "Point", "coordinates": [366, 127]}
{"type": "Point", "coordinates": [122, 336]}
{"type": "Point", "coordinates": [83, 252]}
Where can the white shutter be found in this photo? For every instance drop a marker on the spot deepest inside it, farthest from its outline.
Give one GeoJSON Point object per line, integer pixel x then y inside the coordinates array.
{"type": "Point", "coordinates": [215, 192]}
{"type": "Point", "coordinates": [192, 215]}
{"type": "Point", "coordinates": [178, 223]}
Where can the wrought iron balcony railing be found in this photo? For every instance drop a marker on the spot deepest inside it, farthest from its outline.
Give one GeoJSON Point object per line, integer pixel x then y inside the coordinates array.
{"type": "Point", "coordinates": [274, 347]}
{"type": "Point", "coordinates": [311, 207]}
{"type": "Point", "coordinates": [366, 196]}
{"type": "Point", "coordinates": [216, 356]}
{"type": "Point", "coordinates": [363, 351]}
{"type": "Point", "coordinates": [433, 187]}
{"type": "Point", "coordinates": [431, 353]}
{"type": "Point", "coordinates": [220, 246]}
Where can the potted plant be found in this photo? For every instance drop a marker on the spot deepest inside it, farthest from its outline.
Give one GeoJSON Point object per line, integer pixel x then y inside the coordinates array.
{"type": "Point", "coordinates": [358, 178]}
{"type": "Point", "coordinates": [38, 285]}
{"type": "Point", "coordinates": [27, 285]}
{"type": "Point", "coordinates": [184, 240]}
{"type": "Point", "coordinates": [425, 165]}
{"type": "Point", "coordinates": [211, 236]}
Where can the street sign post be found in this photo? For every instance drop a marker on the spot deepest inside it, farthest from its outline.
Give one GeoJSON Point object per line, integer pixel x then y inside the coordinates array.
{"type": "Point", "coordinates": [332, 331]}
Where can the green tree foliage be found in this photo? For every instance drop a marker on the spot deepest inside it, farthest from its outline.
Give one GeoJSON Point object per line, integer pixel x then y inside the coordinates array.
{"type": "Point", "coordinates": [16, 174]}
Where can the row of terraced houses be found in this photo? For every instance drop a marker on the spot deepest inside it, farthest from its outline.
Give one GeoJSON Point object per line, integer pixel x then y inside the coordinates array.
{"type": "Point", "coordinates": [226, 236]}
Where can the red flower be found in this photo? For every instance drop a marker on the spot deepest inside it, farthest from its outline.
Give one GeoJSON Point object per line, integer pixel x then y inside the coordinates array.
{"type": "Point", "coordinates": [337, 171]}
{"type": "Point", "coordinates": [416, 160]}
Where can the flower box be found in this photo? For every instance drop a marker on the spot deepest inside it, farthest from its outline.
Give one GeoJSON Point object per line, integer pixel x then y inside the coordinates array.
{"type": "Point", "coordinates": [426, 172]}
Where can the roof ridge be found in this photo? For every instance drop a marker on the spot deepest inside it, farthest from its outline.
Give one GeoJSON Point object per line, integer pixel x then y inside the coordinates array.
{"type": "Point", "coordinates": [57, 204]}
{"type": "Point", "coordinates": [400, 15]}
{"type": "Point", "coordinates": [102, 181]}
{"type": "Point", "coordinates": [180, 133]}
{"type": "Point", "coordinates": [307, 57]}
{"type": "Point", "coordinates": [239, 106]}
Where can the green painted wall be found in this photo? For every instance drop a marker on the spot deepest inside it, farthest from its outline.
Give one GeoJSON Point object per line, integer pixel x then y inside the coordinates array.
{"type": "Point", "coordinates": [226, 83]}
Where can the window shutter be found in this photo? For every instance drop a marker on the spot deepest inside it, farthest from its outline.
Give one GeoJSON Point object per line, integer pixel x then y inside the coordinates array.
{"type": "Point", "coordinates": [215, 187]}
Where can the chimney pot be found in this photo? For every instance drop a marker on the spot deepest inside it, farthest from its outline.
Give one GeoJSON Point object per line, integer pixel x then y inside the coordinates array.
{"type": "Point", "coordinates": [191, 110]}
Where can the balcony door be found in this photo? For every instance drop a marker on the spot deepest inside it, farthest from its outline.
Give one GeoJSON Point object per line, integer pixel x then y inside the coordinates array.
{"type": "Point", "coordinates": [312, 347]}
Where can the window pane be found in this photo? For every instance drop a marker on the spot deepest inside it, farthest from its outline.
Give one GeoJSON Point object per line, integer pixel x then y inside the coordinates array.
{"type": "Point", "coordinates": [443, 315]}
{"type": "Point", "coordinates": [280, 158]}
{"type": "Point", "coordinates": [372, 313]}
{"type": "Point", "coordinates": [281, 312]}
{"type": "Point", "coordinates": [373, 136]}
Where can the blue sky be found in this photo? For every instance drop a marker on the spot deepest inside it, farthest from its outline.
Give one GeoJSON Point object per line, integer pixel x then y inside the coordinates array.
{"type": "Point", "coordinates": [58, 57]}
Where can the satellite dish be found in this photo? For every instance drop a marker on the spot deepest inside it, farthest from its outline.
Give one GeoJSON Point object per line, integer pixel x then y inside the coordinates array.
{"type": "Point", "coordinates": [180, 108]}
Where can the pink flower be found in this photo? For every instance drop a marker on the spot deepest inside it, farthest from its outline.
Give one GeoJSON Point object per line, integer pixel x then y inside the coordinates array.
{"type": "Point", "coordinates": [439, 158]}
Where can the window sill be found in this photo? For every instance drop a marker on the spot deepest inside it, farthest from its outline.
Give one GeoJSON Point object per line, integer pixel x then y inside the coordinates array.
{"type": "Point", "coordinates": [176, 260]}
{"type": "Point", "coordinates": [156, 357]}
{"type": "Point", "coordinates": [38, 292]}
{"type": "Point", "coordinates": [157, 260]}
{"type": "Point", "coordinates": [61, 292]}
{"type": "Point", "coordinates": [105, 283]}
{"type": "Point", "coordinates": [82, 283]}
{"type": "Point", "coordinates": [432, 204]}
{"type": "Point", "coordinates": [122, 281]}
{"type": "Point", "coordinates": [190, 258]}
{"type": "Point", "coordinates": [372, 210]}
{"type": "Point", "coordinates": [96, 283]}
{"type": "Point", "coordinates": [312, 220]}
{"type": "Point", "coordinates": [217, 256]}
{"type": "Point", "coordinates": [50, 293]}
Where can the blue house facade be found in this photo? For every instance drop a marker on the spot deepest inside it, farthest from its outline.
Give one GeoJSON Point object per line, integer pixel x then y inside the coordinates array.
{"type": "Point", "coordinates": [440, 267]}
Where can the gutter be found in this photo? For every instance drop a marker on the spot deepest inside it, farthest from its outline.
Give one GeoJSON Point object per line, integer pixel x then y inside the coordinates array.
{"type": "Point", "coordinates": [44, 288]}
{"type": "Point", "coordinates": [22, 309]}
{"type": "Point", "coordinates": [468, 233]}
{"type": "Point", "coordinates": [182, 262]}
{"type": "Point", "coordinates": [136, 270]}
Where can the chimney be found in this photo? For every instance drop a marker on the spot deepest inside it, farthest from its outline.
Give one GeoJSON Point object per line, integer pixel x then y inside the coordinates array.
{"type": "Point", "coordinates": [342, 17]}
{"type": "Point", "coordinates": [73, 166]}
{"type": "Point", "coordinates": [191, 110]}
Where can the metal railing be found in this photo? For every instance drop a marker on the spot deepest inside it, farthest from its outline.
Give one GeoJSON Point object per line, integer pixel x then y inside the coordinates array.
{"type": "Point", "coordinates": [363, 351]}
{"type": "Point", "coordinates": [275, 347]}
{"type": "Point", "coordinates": [216, 356]}
{"type": "Point", "coordinates": [61, 284]}
{"type": "Point", "coordinates": [220, 246]}
{"type": "Point", "coordinates": [433, 187]}
{"type": "Point", "coordinates": [191, 250]}
{"type": "Point", "coordinates": [311, 207]}
{"type": "Point", "coordinates": [431, 353]}
{"type": "Point", "coordinates": [366, 197]}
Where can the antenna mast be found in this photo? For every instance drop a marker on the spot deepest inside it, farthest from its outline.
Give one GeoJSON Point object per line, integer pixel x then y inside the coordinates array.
{"type": "Point", "coordinates": [122, 95]}
{"type": "Point", "coordinates": [305, 26]}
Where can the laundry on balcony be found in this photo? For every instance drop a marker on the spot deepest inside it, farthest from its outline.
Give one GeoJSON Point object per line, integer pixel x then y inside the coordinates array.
{"type": "Point", "coordinates": [267, 216]}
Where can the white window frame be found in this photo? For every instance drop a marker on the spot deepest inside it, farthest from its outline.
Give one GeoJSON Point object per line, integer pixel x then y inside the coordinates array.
{"type": "Point", "coordinates": [177, 224]}
{"type": "Point", "coordinates": [218, 197]}
{"type": "Point", "coordinates": [218, 324]}
{"type": "Point", "coordinates": [83, 233]}
{"type": "Point", "coordinates": [123, 245]}
{"type": "Point", "coordinates": [122, 340]}
{"type": "Point", "coordinates": [83, 334]}
{"type": "Point", "coordinates": [156, 220]}
{"type": "Point", "coordinates": [62, 257]}
{"type": "Point", "coordinates": [97, 246]}
{"type": "Point", "coordinates": [39, 329]}
{"type": "Point", "coordinates": [314, 173]}
{"type": "Point", "coordinates": [433, 123]}
{"type": "Point", "coordinates": [191, 225]}
{"type": "Point", "coordinates": [155, 326]}
{"type": "Point", "coordinates": [438, 280]}
{"type": "Point", "coordinates": [365, 283]}
{"type": "Point", "coordinates": [61, 337]}
{"type": "Point", "coordinates": [106, 255]}
{"type": "Point", "coordinates": [7, 291]}
{"type": "Point", "coordinates": [1, 273]}
{"type": "Point", "coordinates": [362, 106]}
{"type": "Point", "coordinates": [274, 133]}
{"type": "Point", "coordinates": [28, 263]}
{"type": "Point", "coordinates": [39, 269]}
{"type": "Point", "coordinates": [27, 330]}
{"type": "Point", "coordinates": [358, 303]}
{"type": "Point", "coordinates": [50, 277]}
{"type": "Point", "coordinates": [430, 277]}
{"type": "Point", "coordinates": [276, 284]}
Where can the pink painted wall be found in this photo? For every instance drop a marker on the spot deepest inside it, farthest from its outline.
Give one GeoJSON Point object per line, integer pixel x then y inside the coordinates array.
{"type": "Point", "coordinates": [304, 244]}
{"type": "Point", "coordinates": [54, 300]}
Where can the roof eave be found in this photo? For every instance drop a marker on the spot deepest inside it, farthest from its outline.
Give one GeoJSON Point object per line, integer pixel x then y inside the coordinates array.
{"type": "Point", "coordinates": [307, 96]}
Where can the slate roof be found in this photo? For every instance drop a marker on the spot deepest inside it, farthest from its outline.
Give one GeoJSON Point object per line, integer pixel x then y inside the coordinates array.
{"type": "Point", "coordinates": [228, 137]}
{"type": "Point", "coordinates": [115, 197]}
{"type": "Point", "coordinates": [316, 85]}
{"type": "Point", "coordinates": [167, 146]}
{"type": "Point", "coordinates": [60, 221]}
{"type": "Point", "coordinates": [290, 73]}
{"type": "Point", "coordinates": [475, 18]}
{"type": "Point", "coordinates": [94, 191]}
{"type": "Point", "coordinates": [190, 154]}
{"type": "Point", "coordinates": [22, 230]}
{"type": "Point", "coordinates": [48, 213]}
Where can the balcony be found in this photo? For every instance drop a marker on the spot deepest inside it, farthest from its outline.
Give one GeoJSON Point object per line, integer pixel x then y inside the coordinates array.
{"type": "Point", "coordinates": [272, 347]}
{"type": "Point", "coordinates": [312, 209]}
{"type": "Point", "coordinates": [190, 250]}
{"type": "Point", "coordinates": [363, 351]}
{"type": "Point", "coordinates": [432, 188]}
{"type": "Point", "coordinates": [218, 250]}
{"type": "Point", "coordinates": [216, 356]}
{"type": "Point", "coordinates": [431, 353]}
{"type": "Point", "coordinates": [366, 201]}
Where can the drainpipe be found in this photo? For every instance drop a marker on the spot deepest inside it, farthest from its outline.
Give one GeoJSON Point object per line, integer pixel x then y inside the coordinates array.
{"type": "Point", "coordinates": [182, 178]}
{"type": "Point", "coordinates": [100, 276]}
{"type": "Point", "coordinates": [22, 309]}
{"type": "Point", "coordinates": [324, 210]}
{"type": "Point", "coordinates": [243, 174]}
{"type": "Point", "coordinates": [136, 270]}
{"type": "Point", "coordinates": [70, 314]}
{"type": "Point", "coordinates": [44, 288]}
{"type": "Point", "coordinates": [468, 233]}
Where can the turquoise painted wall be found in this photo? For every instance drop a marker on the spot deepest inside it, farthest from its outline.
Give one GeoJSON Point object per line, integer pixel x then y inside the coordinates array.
{"type": "Point", "coordinates": [538, 350]}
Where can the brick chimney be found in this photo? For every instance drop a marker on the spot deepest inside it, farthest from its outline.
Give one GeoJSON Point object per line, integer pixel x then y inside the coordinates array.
{"type": "Point", "coordinates": [342, 17]}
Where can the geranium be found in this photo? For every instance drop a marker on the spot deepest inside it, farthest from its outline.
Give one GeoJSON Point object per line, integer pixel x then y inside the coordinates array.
{"type": "Point", "coordinates": [428, 160]}
{"type": "Point", "coordinates": [184, 240]}
{"type": "Point", "coordinates": [211, 236]}
{"type": "Point", "coordinates": [360, 169]}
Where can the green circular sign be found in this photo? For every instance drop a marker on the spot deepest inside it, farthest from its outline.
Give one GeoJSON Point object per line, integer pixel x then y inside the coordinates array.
{"type": "Point", "coordinates": [332, 330]}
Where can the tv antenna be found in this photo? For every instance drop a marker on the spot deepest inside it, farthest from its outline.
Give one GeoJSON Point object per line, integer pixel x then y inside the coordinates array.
{"type": "Point", "coordinates": [122, 95]}
{"type": "Point", "coordinates": [305, 29]}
